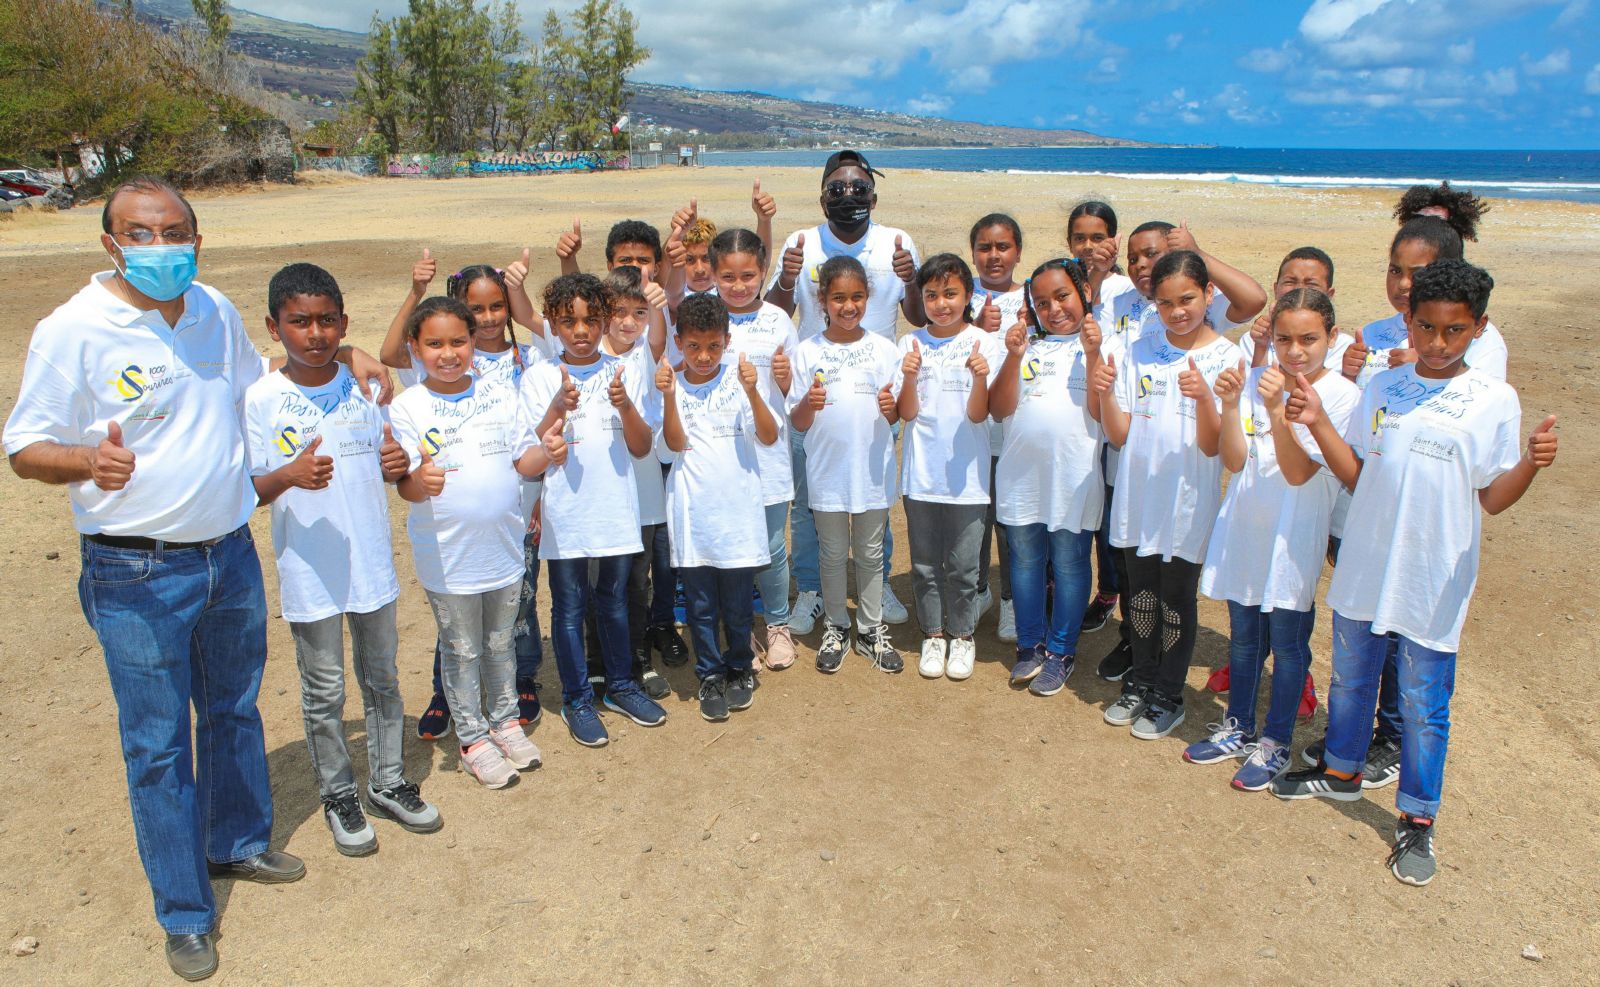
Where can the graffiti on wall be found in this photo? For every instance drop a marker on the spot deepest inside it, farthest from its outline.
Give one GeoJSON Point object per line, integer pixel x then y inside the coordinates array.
{"type": "Point", "coordinates": [532, 162]}
{"type": "Point", "coordinates": [356, 164]}
{"type": "Point", "coordinates": [428, 165]}
{"type": "Point", "coordinates": [461, 166]}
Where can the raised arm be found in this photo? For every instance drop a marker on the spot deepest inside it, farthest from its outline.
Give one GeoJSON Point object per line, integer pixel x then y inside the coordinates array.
{"type": "Point", "coordinates": [1231, 444]}
{"type": "Point", "coordinates": [394, 352]}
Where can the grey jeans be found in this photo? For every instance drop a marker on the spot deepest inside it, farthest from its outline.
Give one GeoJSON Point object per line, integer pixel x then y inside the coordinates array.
{"type": "Point", "coordinates": [840, 536]}
{"type": "Point", "coordinates": [945, 541]}
{"type": "Point", "coordinates": [319, 651]}
{"type": "Point", "coordinates": [478, 634]}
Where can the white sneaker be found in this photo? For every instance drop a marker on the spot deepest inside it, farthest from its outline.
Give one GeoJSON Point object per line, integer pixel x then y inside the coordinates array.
{"type": "Point", "coordinates": [962, 655]}
{"type": "Point", "coordinates": [515, 745]}
{"type": "Point", "coordinates": [1007, 631]}
{"type": "Point", "coordinates": [484, 762]}
{"type": "Point", "coordinates": [894, 612]}
{"type": "Point", "coordinates": [985, 602]}
{"type": "Point", "coordinates": [807, 608]}
{"type": "Point", "coordinates": [931, 665]}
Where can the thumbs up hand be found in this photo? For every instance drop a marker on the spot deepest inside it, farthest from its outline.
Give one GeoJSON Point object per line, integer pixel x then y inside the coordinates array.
{"type": "Point", "coordinates": [1304, 405]}
{"type": "Point", "coordinates": [570, 242]}
{"type": "Point", "coordinates": [905, 267]}
{"type": "Point", "coordinates": [1017, 338]}
{"type": "Point", "coordinates": [517, 271]}
{"type": "Point", "coordinates": [655, 296]}
{"type": "Point", "coordinates": [110, 462]}
{"type": "Point", "coordinates": [976, 362]}
{"type": "Point", "coordinates": [1105, 375]}
{"type": "Point", "coordinates": [1229, 386]}
{"type": "Point", "coordinates": [566, 397]}
{"type": "Point", "coordinates": [666, 380]}
{"type": "Point", "coordinates": [1355, 357]}
{"type": "Point", "coordinates": [392, 457]}
{"type": "Point", "coordinates": [1179, 238]}
{"type": "Point", "coordinates": [422, 273]}
{"type": "Point", "coordinates": [618, 392]}
{"type": "Point", "coordinates": [677, 253]}
{"type": "Point", "coordinates": [428, 474]}
{"type": "Point", "coordinates": [554, 441]}
{"type": "Point", "coordinates": [1542, 444]}
{"type": "Point", "coordinates": [989, 315]}
{"type": "Point", "coordinates": [761, 203]}
{"type": "Point", "coordinates": [794, 260]}
{"type": "Point", "coordinates": [782, 370]}
{"type": "Point", "coordinates": [310, 471]}
{"type": "Point", "coordinates": [817, 396]}
{"type": "Point", "coordinates": [748, 379]}
{"type": "Point", "coordinates": [886, 402]}
{"type": "Point", "coordinates": [911, 365]}
{"type": "Point", "coordinates": [1102, 256]}
{"type": "Point", "coordinates": [1090, 335]}
{"type": "Point", "coordinates": [1272, 387]}
{"type": "Point", "coordinates": [1192, 384]}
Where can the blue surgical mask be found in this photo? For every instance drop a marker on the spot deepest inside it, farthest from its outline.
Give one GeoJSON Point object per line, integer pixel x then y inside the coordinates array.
{"type": "Point", "coordinates": [160, 271]}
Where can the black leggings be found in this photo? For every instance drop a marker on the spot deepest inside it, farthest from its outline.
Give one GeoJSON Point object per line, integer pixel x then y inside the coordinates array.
{"type": "Point", "coordinates": [1164, 619]}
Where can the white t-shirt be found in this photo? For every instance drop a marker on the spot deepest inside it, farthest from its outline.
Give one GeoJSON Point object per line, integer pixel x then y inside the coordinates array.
{"type": "Point", "coordinates": [1217, 312]}
{"type": "Point", "coordinates": [1049, 468]}
{"type": "Point", "coordinates": [1167, 490]}
{"type": "Point", "coordinates": [469, 538]}
{"type": "Point", "coordinates": [1106, 307]}
{"type": "Point", "coordinates": [1334, 360]}
{"type": "Point", "coordinates": [177, 394]}
{"type": "Point", "coordinates": [715, 516]}
{"type": "Point", "coordinates": [758, 335]}
{"type": "Point", "coordinates": [648, 481]}
{"type": "Point", "coordinates": [591, 502]}
{"type": "Point", "coordinates": [1010, 304]}
{"type": "Point", "coordinates": [332, 545]}
{"type": "Point", "coordinates": [946, 458]}
{"type": "Point", "coordinates": [1486, 353]}
{"type": "Point", "coordinates": [849, 447]}
{"type": "Point", "coordinates": [1427, 447]}
{"type": "Point", "coordinates": [1270, 537]}
{"type": "Point", "coordinates": [875, 251]}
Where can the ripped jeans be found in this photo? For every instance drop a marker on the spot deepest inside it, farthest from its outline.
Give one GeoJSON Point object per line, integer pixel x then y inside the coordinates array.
{"type": "Point", "coordinates": [477, 633]}
{"type": "Point", "coordinates": [1162, 610]}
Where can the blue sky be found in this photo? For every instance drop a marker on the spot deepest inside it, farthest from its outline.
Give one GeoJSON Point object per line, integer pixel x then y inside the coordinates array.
{"type": "Point", "coordinates": [1327, 73]}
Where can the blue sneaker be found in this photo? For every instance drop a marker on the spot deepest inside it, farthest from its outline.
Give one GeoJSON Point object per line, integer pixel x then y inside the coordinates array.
{"type": "Point", "coordinates": [584, 724]}
{"type": "Point", "coordinates": [1030, 662]}
{"type": "Point", "coordinates": [1226, 740]}
{"type": "Point", "coordinates": [631, 702]}
{"type": "Point", "coordinates": [1053, 677]}
{"type": "Point", "coordinates": [1269, 760]}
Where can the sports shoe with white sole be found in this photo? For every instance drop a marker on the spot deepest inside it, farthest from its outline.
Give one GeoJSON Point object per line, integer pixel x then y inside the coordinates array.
{"type": "Point", "coordinates": [1160, 717]}
{"type": "Point", "coordinates": [1030, 661]}
{"type": "Point", "coordinates": [515, 745]}
{"type": "Point", "coordinates": [404, 804]}
{"type": "Point", "coordinates": [1006, 627]}
{"type": "Point", "coordinates": [962, 654]}
{"type": "Point", "coordinates": [875, 646]}
{"type": "Point", "coordinates": [1412, 861]}
{"type": "Point", "coordinates": [934, 655]}
{"type": "Point", "coordinates": [484, 762]}
{"type": "Point", "coordinates": [807, 608]}
{"type": "Point", "coordinates": [1383, 759]}
{"type": "Point", "coordinates": [1052, 678]}
{"type": "Point", "coordinates": [1269, 760]}
{"type": "Point", "coordinates": [894, 612]}
{"type": "Point", "coordinates": [830, 653]}
{"type": "Point", "coordinates": [1316, 783]}
{"type": "Point", "coordinates": [1128, 707]}
{"type": "Point", "coordinates": [1224, 741]}
{"type": "Point", "coordinates": [352, 834]}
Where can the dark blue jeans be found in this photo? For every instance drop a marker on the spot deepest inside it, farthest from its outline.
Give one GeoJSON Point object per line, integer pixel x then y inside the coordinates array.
{"type": "Point", "coordinates": [651, 585]}
{"type": "Point", "coordinates": [1066, 556]}
{"type": "Point", "coordinates": [530, 646]}
{"type": "Point", "coordinates": [570, 595]}
{"type": "Point", "coordinates": [719, 596]}
{"type": "Point", "coordinates": [181, 628]}
{"type": "Point", "coordinates": [1252, 633]}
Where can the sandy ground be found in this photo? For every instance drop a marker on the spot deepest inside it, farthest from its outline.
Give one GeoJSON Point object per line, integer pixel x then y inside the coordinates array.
{"type": "Point", "coordinates": [859, 828]}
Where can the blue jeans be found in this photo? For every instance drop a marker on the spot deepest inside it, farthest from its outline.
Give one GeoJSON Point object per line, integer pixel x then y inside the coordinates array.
{"type": "Point", "coordinates": [1389, 689]}
{"type": "Point", "coordinates": [1066, 553]}
{"type": "Point", "coordinates": [773, 581]}
{"type": "Point", "coordinates": [719, 596]}
{"type": "Point", "coordinates": [1427, 678]}
{"type": "Point", "coordinates": [184, 627]}
{"type": "Point", "coordinates": [530, 646]}
{"type": "Point", "coordinates": [569, 602]}
{"type": "Point", "coordinates": [652, 585]}
{"type": "Point", "coordinates": [1252, 633]}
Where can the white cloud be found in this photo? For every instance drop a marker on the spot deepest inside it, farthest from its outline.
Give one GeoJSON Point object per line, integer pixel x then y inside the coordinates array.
{"type": "Point", "coordinates": [1573, 13]}
{"type": "Point", "coordinates": [1591, 82]}
{"type": "Point", "coordinates": [1501, 82]}
{"type": "Point", "coordinates": [1463, 53]}
{"type": "Point", "coordinates": [1558, 62]}
{"type": "Point", "coordinates": [1270, 60]}
{"type": "Point", "coordinates": [1108, 66]}
{"type": "Point", "coordinates": [1366, 33]}
{"type": "Point", "coordinates": [928, 105]}
{"type": "Point", "coordinates": [1173, 41]}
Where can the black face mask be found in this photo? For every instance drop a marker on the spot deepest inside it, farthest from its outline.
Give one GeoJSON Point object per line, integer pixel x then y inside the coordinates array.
{"type": "Point", "coordinates": [850, 214]}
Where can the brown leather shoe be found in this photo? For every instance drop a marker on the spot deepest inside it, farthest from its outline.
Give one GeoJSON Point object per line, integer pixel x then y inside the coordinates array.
{"type": "Point", "coordinates": [192, 956]}
{"type": "Point", "coordinates": [269, 867]}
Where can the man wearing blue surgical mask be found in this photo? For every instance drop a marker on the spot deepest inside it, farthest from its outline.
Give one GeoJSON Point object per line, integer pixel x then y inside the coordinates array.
{"type": "Point", "coordinates": [130, 397]}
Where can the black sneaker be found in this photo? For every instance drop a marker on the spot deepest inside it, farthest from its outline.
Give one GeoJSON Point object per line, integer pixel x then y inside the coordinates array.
{"type": "Point", "coordinates": [528, 710]}
{"type": "Point", "coordinates": [1314, 751]}
{"type": "Point", "coordinates": [874, 645]}
{"type": "Point", "coordinates": [830, 654]}
{"type": "Point", "coordinates": [352, 834]}
{"type": "Point", "coordinates": [669, 643]}
{"type": "Point", "coordinates": [1383, 762]}
{"type": "Point", "coordinates": [1100, 610]}
{"type": "Point", "coordinates": [742, 690]}
{"type": "Point", "coordinates": [1412, 861]}
{"type": "Point", "coordinates": [714, 698]}
{"type": "Point", "coordinates": [654, 684]}
{"type": "Point", "coordinates": [1116, 664]}
{"type": "Point", "coordinates": [1316, 783]}
{"type": "Point", "coordinates": [434, 723]}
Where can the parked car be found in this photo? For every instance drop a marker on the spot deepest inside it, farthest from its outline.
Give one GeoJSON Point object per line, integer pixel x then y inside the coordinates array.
{"type": "Point", "coordinates": [30, 183]}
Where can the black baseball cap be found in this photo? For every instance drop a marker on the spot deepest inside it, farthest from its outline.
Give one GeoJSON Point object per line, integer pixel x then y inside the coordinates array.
{"type": "Point", "coordinates": [839, 159]}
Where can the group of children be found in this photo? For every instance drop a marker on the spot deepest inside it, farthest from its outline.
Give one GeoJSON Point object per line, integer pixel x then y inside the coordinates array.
{"type": "Point", "coordinates": [639, 444]}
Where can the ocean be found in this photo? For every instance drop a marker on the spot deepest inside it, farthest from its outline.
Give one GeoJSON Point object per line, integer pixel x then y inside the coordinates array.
{"type": "Point", "coordinates": [1572, 176]}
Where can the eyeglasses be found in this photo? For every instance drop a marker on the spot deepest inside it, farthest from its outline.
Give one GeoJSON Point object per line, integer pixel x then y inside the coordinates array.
{"type": "Point", "coordinates": [839, 190]}
{"type": "Point", "coordinates": [141, 237]}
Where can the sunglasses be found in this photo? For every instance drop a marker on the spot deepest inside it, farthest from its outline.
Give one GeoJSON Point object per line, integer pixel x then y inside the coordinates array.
{"type": "Point", "coordinates": [838, 190]}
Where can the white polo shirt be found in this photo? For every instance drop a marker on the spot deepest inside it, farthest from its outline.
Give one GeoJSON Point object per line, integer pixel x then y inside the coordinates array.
{"type": "Point", "coordinates": [875, 251]}
{"type": "Point", "coordinates": [177, 393]}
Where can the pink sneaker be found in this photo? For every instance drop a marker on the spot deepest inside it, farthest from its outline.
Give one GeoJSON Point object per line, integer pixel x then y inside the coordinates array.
{"type": "Point", "coordinates": [484, 762]}
{"type": "Point", "coordinates": [515, 745]}
{"type": "Point", "coordinates": [780, 648]}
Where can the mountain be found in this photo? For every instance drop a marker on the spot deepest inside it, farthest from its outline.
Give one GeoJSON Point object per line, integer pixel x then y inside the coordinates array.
{"type": "Point", "coordinates": [318, 64]}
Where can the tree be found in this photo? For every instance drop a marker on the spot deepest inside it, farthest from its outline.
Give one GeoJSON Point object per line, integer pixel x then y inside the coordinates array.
{"type": "Point", "coordinates": [503, 72]}
{"type": "Point", "coordinates": [598, 50]}
{"type": "Point", "coordinates": [214, 15]}
{"type": "Point", "coordinates": [380, 82]}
